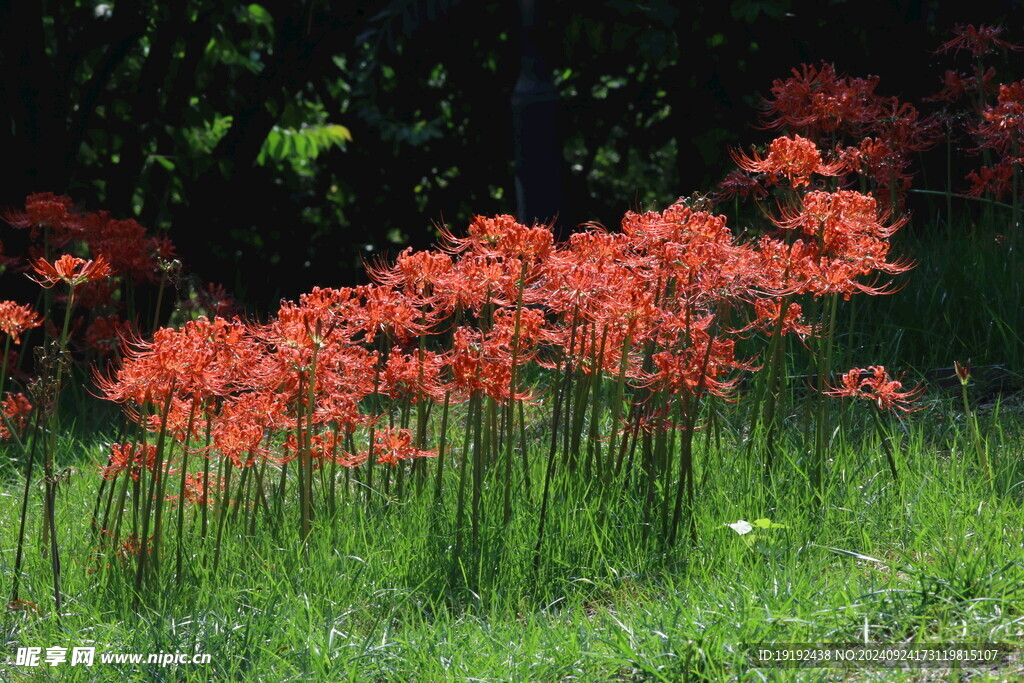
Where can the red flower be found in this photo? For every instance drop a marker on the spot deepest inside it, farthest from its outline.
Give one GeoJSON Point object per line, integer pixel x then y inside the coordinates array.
{"type": "Point", "coordinates": [874, 384]}
{"type": "Point", "coordinates": [996, 179]}
{"type": "Point", "coordinates": [395, 445]}
{"type": "Point", "coordinates": [15, 319]}
{"type": "Point", "coordinates": [739, 184]}
{"type": "Point", "coordinates": [817, 100]}
{"type": "Point", "coordinates": [978, 41]}
{"type": "Point", "coordinates": [122, 243]}
{"type": "Point", "coordinates": [128, 457]}
{"type": "Point", "coordinates": [1003, 129]}
{"type": "Point", "coordinates": [105, 335]}
{"type": "Point", "coordinates": [413, 376]}
{"type": "Point", "coordinates": [239, 431]}
{"type": "Point", "coordinates": [698, 368]}
{"type": "Point", "coordinates": [46, 210]}
{"type": "Point", "coordinates": [17, 409]}
{"type": "Point", "coordinates": [202, 489]}
{"type": "Point", "coordinates": [70, 269]}
{"type": "Point", "coordinates": [795, 158]}
{"type": "Point", "coordinates": [768, 311]}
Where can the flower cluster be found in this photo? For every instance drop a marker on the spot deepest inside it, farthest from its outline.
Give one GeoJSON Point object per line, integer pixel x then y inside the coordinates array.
{"type": "Point", "coordinates": [1002, 131]}
{"type": "Point", "coordinates": [873, 135]}
{"type": "Point", "coordinates": [463, 321]}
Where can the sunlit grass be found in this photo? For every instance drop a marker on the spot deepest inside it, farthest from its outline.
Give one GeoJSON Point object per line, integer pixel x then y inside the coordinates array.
{"type": "Point", "coordinates": [933, 558]}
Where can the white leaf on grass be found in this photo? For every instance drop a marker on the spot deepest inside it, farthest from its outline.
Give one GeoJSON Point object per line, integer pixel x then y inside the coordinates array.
{"type": "Point", "coordinates": [741, 527]}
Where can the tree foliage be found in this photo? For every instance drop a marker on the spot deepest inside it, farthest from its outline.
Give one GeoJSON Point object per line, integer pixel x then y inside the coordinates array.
{"type": "Point", "coordinates": [307, 136]}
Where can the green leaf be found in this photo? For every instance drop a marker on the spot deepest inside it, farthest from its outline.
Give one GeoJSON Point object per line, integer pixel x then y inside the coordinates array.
{"type": "Point", "coordinates": [163, 161]}
{"type": "Point", "coordinates": [339, 134]}
{"type": "Point", "coordinates": [302, 145]}
{"type": "Point", "coordinates": [765, 523]}
{"type": "Point", "coordinates": [260, 15]}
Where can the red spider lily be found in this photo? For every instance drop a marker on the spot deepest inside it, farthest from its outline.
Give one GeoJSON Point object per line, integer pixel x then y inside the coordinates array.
{"type": "Point", "coordinates": [16, 408]}
{"type": "Point", "coordinates": [703, 262]}
{"type": "Point", "coordinates": [341, 410]}
{"type": "Point", "coordinates": [632, 314]}
{"type": "Point", "coordinates": [298, 329]}
{"type": "Point", "coordinates": [321, 323]}
{"type": "Point", "coordinates": [874, 384]}
{"type": "Point", "coordinates": [131, 458]}
{"type": "Point", "coordinates": [180, 413]}
{"type": "Point", "coordinates": [202, 360]}
{"type": "Point", "coordinates": [740, 184]}
{"type": "Point", "coordinates": [505, 236]}
{"type": "Point", "coordinates": [956, 85]}
{"type": "Point", "coordinates": [501, 236]}
{"type": "Point", "coordinates": [996, 179]}
{"type": "Point", "coordinates": [413, 376]}
{"type": "Point", "coordinates": [679, 223]}
{"type": "Point", "coordinates": [698, 368]}
{"type": "Point", "coordinates": [329, 301]}
{"type": "Point", "coordinates": [323, 449]}
{"type": "Point", "coordinates": [900, 125]}
{"type": "Point", "coordinates": [501, 342]}
{"type": "Point", "coordinates": [128, 550]}
{"type": "Point", "coordinates": [16, 319]}
{"type": "Point", "coordinates": [416, 273]}
{"type": "Point", "coordinates": [45, 210]}
{"type": "Point", "coordinates": [162, 247]}
{"type": "Point", "coordinates": [978, 41]}
{"type": "Point", "coordinates": [239, 430]}
{"type": "Point", "coordinates": [105, 335]}
{"type": "Point", "coordinates": [1003, 129]}
{"type": "Point", "coordinates": [122, 243]}
{"type": "Point", "coordinates": [479, 366]}
{"type": "Point", "coordinates": [71, 270]}
{"type": "Point", "coordinates": [817, 100]}
{"type": "Point", "coordinates": [587, 273]}
{"type": "Point", "coordinates": [849, 231]}
{"type": "Point", "coordinates": [833, 217]}
{"type": "Point", "coordinates": [392, 446]}
{"type": "Point", "coordinates": [600, 349]}
{"type": "Point", "coordinates": [794, 158]}
{"type": "Point", "coordinates": [767, 320]}
{"type": "Point", "coordinates": [202, 489]}
{"type": "Point", "coordinates": [475, 282]}
{"type": "Point", "coordinates": [385, 310]}
{"type": "Point", "coordinates": [878, 160]}
{"type": "Point", "coordinates": [349, 373]}
{"type": "Point", "coordinates": [214, 300]}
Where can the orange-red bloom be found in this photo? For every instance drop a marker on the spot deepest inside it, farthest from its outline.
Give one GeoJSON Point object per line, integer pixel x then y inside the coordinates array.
{"type": "Point", "coordinates": [131, 458]}
{"type": "Point", "coordinates": [71, 270]}
{"type": "Point", "coordinates": [875, 385]}
{"type": "Point", "coordinates": [17, 409]}
{"type": "Point", "coordinates": [794, 158]}
{"type": "Point", "coordinates": [395, 445]}
{"type": "Point", "coordinates": [15, 319]}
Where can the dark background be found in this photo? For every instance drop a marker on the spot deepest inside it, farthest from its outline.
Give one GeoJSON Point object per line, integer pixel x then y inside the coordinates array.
{"type": "Point", "coordinates": [213, 121]}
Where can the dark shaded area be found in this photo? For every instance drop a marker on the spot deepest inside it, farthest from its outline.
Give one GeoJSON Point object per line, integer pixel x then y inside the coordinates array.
{"type": "Point", "coordinates": [161, 111]}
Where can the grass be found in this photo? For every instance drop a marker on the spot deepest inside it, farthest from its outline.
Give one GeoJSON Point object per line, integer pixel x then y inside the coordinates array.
{"type": "Point", "coordinates": [934, 558]}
